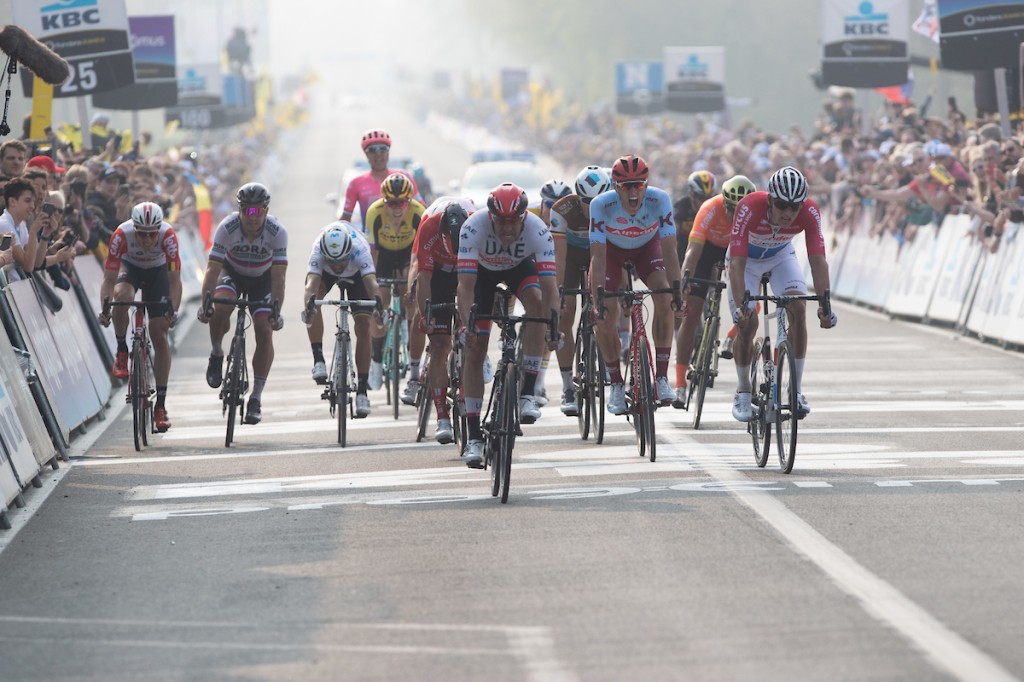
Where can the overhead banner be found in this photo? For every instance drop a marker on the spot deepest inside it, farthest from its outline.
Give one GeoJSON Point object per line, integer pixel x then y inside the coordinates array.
{"type": "Point", "coordinates": [92, 35]}
{"type": "Point", "coordinates": [156, 83]}
{"type": "Point", "coordinates": [639, 87]}
{"type": "Point", "coordinates": [980, 34]}
{"type": "Point", "coordinates": [865, 43]}
{"type": "Point", "coordinates": [694, 79]}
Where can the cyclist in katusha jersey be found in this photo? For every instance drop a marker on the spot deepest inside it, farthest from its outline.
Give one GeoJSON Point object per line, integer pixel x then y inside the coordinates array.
{"type": "Point", "coordinates": [391, 225]}
{"type": "Point", "coordinates": [633, 224]}
{"type": "Point", "coordinates": [506, 243]}
{"type": "Point", "coordinates": [570, 229]}
{"type": "Point", "coordinates": [340, 255]}
{"type": "Point", "coordinates": [762, 242]}
{"type": "Point", "coordinates": [434, 251]}
{"type": "Point", "coordinates": [144, 255]}
{"type": "Point", "coordinates": [550, 192]}
{"type": "Point", "coordinates": [700, 187]}
{"type": "Point", "coordinates": [708, 245]}
{"type": "Point", "coordinates": [249, 257]}
{"type": "Point", "coordinates": [365, 188]}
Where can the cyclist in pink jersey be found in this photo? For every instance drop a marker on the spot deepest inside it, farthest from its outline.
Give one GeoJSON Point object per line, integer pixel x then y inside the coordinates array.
{"type": "Point", "coordinates": [365, 188]}
{"type": "Point", "coordinates": [764, 226]}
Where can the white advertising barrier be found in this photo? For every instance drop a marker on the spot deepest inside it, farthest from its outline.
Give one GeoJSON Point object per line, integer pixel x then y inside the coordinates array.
{"type": "Point", "coordinates": [24, 404]}
{"type": "Point", "coordinates": [953, 288]}
{"type": "Point", "coordinates": [90, 274]}
{"type": "Point", "coordinates": [915, 282]}
{"type": "Point", "coordinates": [78, 345]}
{"type": "Point", "coordinates": [998, 311]}
{"type": "Point", "coordinates": [193, 264]}
{"type": "Point", "coordinates": [9, 488]}
{"type": "Point", "coordinates": [14, 441]}
{"type": "Point", "coordinates": [845, 270]}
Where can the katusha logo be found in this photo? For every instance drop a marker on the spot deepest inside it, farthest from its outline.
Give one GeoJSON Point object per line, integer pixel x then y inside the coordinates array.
{"type": "Point", "coordinates": [693, 68]}
{"type": "Point", "coordinates": [867, 23]}
{"type": "Point", "coordinates": [66, 14]}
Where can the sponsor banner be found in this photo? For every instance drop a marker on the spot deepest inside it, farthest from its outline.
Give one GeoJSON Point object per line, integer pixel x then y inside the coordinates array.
{"type": "Point", "coordinates": [156, 84]}
{"type": "Point", "coordinates": [980, 34]}
{"type": "Point", "coordinates": [92, 35]}
{"type": "Point", "coordinates": [694, 79]}
{"type": "Point", "coordinates": [200, 98]}
{"type": "Point", "coordinates": [865, 43]}
{"type": "Point", "coordinates": [14, 440]}
{"type": "Point", "coordinates": [70, 324]}
{"type": "Point", "coordinates": [24, 404]}
{"type": "Point", "coordinates": [639, 87]}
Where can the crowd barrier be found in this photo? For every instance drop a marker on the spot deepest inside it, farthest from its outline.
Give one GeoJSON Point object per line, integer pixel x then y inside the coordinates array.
{"type": "Point", "coordinates": [945, 276]}
{"type": "Point", "coordinates": [55, 363]}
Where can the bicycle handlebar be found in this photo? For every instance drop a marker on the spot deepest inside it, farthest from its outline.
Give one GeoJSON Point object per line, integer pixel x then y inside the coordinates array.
{"type": "Point", "coordinates": [824, 298]}
{"type": "Point", "coordinates": [710, 283]}
{"type": "Point", "coordinates": [677, 302]}
{"type": "Point", "coordinates": [108, 304]}
{"type": "Point", "coordinates": [209, 299]}
{"type": "Point", "coordinates": [506, 319]}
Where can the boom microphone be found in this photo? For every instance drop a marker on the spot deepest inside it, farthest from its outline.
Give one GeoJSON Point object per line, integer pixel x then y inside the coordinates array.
{"type": "Point", "coordinates": [33, 55]}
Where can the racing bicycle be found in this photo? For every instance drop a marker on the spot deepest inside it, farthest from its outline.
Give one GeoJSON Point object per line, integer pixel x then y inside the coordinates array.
{"type": "Point", "coordinates": [588, 367]}
{"type": "Point", "coordinates": [396, 343]}
{"type": "Point", "coordinates": [141, 382]}
{"type": "Point", "coordinates": [702, 372]}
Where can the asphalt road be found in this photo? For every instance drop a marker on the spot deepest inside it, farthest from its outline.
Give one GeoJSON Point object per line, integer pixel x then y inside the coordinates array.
{"type": "Point", "coordinates": [892, 551]}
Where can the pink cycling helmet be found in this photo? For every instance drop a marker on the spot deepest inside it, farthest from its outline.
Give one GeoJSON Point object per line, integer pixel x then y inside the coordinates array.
{"type": "Point", "coordinates": [376, 136]}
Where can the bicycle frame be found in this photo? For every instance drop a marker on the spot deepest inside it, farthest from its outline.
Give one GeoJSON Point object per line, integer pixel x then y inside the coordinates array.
{"type": "Point", "coordinates": [704, 367]}
{"type": "Point", "coordinates": [140, 373]}
{"type": "Point", "coordinates": [341, 387]}
{"type": "Point", "coordinates": [454, 398]}
{"type": "Point", "coordinates": [588, 366]}
{"type": "Point", "coordinates": [396, 343]}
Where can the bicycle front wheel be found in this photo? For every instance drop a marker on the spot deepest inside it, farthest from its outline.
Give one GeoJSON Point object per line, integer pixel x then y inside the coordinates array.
{"type": "Point", "coordinates": [647, 401]}
{"type": "Point", "coordinates": [340, 380]}
{"type": "Point", "coordinates": [138, 398]}
{"type": "Point", "coordinates": [423, 403]}
{"type": "Point", "coordinates": [492, 440]}
{"type": "Point", "coordinates": [707, 350]}
{"type": "Point", "coordinates": [597, 417]}
{"type": "Point", "coordinates": [394, 358]}
{"type": "Point", "coordinates": [785, 407]}
{"type": "Point", "coordinates": [632, 399]}
{"type": "Point", "coordinates": [760, 432]}
{"type": "Point", "coordinates": [507, 430]}
{"type": "Point", "coordinates": [584, 387]}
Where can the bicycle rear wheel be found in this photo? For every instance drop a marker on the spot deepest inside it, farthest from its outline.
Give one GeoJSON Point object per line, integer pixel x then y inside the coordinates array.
{"type": "Point", "coordinates": [785, 407]}
{"type": "Point", "coordinates": [647, 401]}
{"type": "Point", "coordinates": [632, 407]}
{"type": "Point", "coordinates": [584, 388]}
{"type": "Point", "coordinates": [233, 386]}
{"type": "Point", "coordinates": [147, 402]}
{"type": "Point", "coordinates": [507, 430]}
{"type": "Point", "coordinates": [136, 391]}
{"type": "Point", "coordinates": [760, 432]}
{"type": "Point", "coordinates": [423, 403]}
{"type": "Point", "coordinates": [492, 441]}
{"type": "Point", "coordinates": [340, 380]}
{"type": "Point", "coordinates": [597, 417]}
{"type": "Point", "coordinates": [707, 349]}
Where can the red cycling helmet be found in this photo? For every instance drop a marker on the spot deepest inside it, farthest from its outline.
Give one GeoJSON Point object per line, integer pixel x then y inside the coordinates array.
{"type": "Point", "coordinates": [507, 201]}
{"type": "Point", "coordinates": [376, 136]}
{"type": "Point", "coordinates": [630, 169]}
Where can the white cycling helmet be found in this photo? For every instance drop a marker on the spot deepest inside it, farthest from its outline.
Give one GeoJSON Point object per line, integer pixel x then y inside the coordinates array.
{"type": "Point", "coordinates": [147, 216]}
{"type": "Point", "coordinates": [553, 190]}
{"type": "Point", "coordinates": [336, 242]}
{"type": "Point", "coordinates": [788, 184]}
{"type": "Point", "coordinates": [591, 181]}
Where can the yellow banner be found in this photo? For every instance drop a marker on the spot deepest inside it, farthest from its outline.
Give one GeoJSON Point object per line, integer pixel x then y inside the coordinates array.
{"type": "Point", "coordinates": [42, 108]}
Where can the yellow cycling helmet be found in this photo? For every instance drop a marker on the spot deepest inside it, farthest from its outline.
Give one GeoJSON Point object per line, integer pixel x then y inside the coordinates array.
{"type": "Point", "coordinates": [734, 189]}
{"type": "Point", "coordinates": [396, 187]}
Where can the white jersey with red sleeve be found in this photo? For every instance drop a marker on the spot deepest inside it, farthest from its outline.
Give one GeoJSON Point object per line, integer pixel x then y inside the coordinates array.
{"type": "Point", "coordinates": [480, 247]}
{"type": "Point", "coordinates": [125, 248]}
{"type": "Point", "coordinates": [754, 237]}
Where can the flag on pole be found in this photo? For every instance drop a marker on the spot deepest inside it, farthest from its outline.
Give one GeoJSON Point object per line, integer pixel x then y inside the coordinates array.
{"type": "Point", "coordinates": [927, 24]}
{"type": "Point", "coordinates": [900, 94]}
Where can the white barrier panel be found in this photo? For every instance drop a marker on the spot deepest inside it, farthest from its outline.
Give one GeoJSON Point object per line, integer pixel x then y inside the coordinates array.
{"type": "Point", "coordinates": [76, 341]}
{"type": "Point", "coordinates": [9, 487]}
{"type": "Point", "coordinates": [846, 273]}
{"type": "Point", "coordinates": [193, 264]}
{"type": "Point", "coordinates": [90, 274]}
{"type": "Point", "coordinates": [1000, 301]}
{"type": "Point", "coordinates": [988, 283]}
{"type": "Point", "coordinates": [953, 288]}
{"type": "Point", "coordinates": [15, 442]}
{"type": "Point", "coordinates": [24, 404]}
{"type": "Point", "coordinates": [914, 285]}
{"type": "Point", "coordinates": [1014, 284]}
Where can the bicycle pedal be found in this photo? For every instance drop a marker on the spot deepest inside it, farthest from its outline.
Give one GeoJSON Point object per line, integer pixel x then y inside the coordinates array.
{"type": "Point", "coordinates": [326, 394]}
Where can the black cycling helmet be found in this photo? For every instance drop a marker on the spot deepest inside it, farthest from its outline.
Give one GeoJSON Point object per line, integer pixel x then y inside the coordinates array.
{"type": "Point", "coordinates": [452, 219]}
{"type": "Point", "coordinates": [253, 194]}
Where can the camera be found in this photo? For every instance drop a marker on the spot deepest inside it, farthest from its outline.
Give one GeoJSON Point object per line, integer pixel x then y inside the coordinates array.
{"type": "Point", "coordinates": [49, 209]}
{"type": "Point", "coordinates": [78, 187]}
{"type": "Point", "coordinates": [68, 238]}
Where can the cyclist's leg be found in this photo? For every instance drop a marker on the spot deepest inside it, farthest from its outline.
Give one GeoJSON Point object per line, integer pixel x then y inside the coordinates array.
{"type": "Point", "coordinates": [694, 306]}
{"type": "Point", "coordinates": [607, 330]}
{"type": "Point", "coordinates": [220, 323]}
{"type": "Point", "coordinates": [385, 270]}
{"type": "Point", "coordinates": [523, 280]}
{"type": "Point", "coordinates": [787, 278]}
{"type": "Point", "coordinates": [476, 350]}
{"type": "Point", "coordinates": [442, 290]}
{"type": "Point", "coordinates": [315, 330]}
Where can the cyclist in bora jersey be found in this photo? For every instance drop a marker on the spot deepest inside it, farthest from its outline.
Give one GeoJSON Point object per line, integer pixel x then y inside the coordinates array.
{"type": "Point", "coordinates": [365, 188]}
{"type": "Point", "coordinates": [435, 249]}
{"type": "Point", "coordinates": [340, 255]}
{"type": "Point", "coordinates": [249, 257]}
{"type": "Point", "coordinates": [391, 225]}
{"type": "Point", "coordinates": [762, 241]}
{"type": "Point", "coordinates": [570, 229]}
{"type": "Point", "coordinates": [633, 224]}
{"type": "Point", "coordinates": [708, 244]}
{"type": "Point", "coordinates": [506, 243]}
{"type": "Point", "coordinates": [144, 255]}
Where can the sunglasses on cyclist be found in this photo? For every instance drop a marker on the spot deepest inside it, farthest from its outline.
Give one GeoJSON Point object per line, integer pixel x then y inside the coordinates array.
{"type": "Point", "coordinates": [632, 184]}
{"type": "Point", "coordinates": [377, 149]}
{"type": "Point", "coordinates": [781, 205]}
{"type": "Point", "coordinates": [397, 203]}
{"type": "Point", "coordinates": [251, 210]}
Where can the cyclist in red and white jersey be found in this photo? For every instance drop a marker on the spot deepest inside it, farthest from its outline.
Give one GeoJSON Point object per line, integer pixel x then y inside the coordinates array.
{"type": "Point", "coordinates": [763, 229]}
{"type": "Point", "coordinates": [144, 255]}
{"type": "Point", "coordinates": [506, 243]}
{"type": "Point", "coordinates": [365, 188]}
{"type": "Point", "coordinates": [249, 257]}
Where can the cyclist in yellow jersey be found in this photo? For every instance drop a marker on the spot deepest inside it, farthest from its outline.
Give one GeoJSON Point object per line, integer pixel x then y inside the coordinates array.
{"type": "Point", "coordinates": [391, 223]}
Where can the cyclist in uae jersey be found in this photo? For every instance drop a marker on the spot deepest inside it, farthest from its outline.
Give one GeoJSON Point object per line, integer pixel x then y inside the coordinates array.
{"type": "Point", "coordinates": [365, 188]}
{"type": "Point", "coordinates": [570, 229]}
{"type": "Point", "coordinates": [708, 245]}
{"type": "Point", "coordinates": [506, 244]}
{"type": "Point", "coordinates": [391, 225]}
{"type": "Point", "coordinates": [340, 255]}
{"type": "Point", "coordinates": [763, 230]}
{"type": "Point", "coordinates": [144, 255]}
{"type": "Point", "coordinates": [436, 244]}
{"type": "Point", "coordinates": [249, 258]}
{"type": "Point", "coordinates": [634, 224]}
